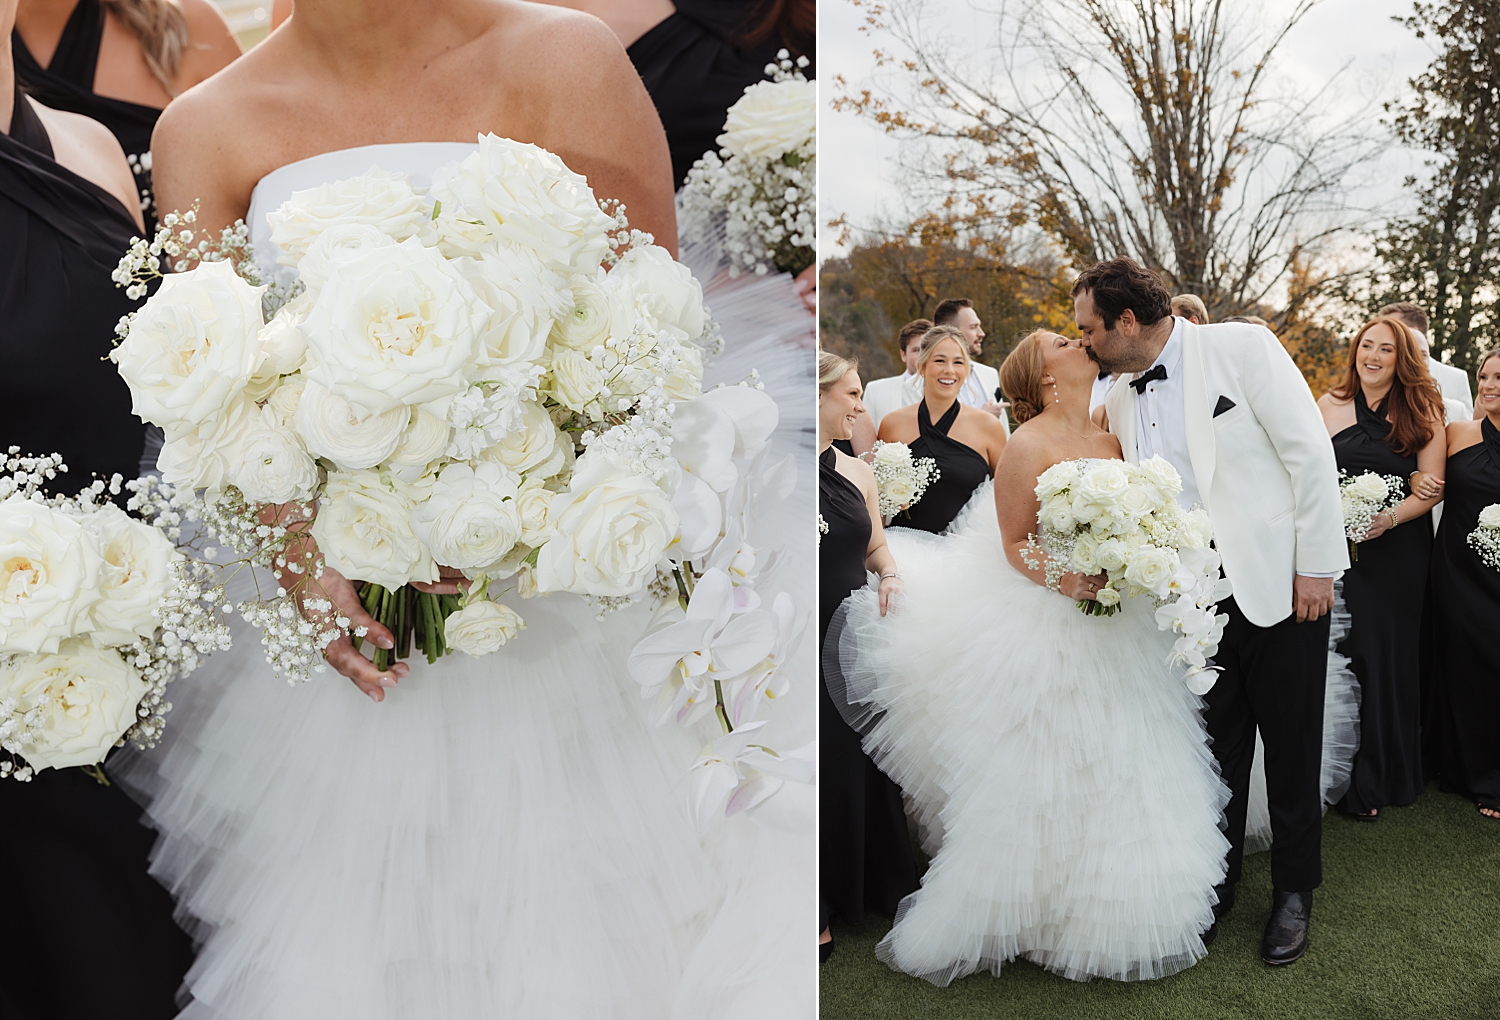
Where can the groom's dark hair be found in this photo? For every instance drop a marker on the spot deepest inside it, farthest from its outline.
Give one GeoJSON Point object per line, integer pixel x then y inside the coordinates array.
{"type": "Point", "coordinates": [1119, 284]}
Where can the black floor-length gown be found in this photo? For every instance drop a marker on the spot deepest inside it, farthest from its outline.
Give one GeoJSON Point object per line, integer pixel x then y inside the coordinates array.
{"type": "Point", "coordinates": [865, 857]}
{"type": "Point", "coordinates": [1384, 591]}
{"type": "Point", "coordinates": [67, 83]}
{"type": "Point", "coordinates": [1464, 603]}
{"type": "Point", "coordinates": [961, 470]}
{"type": "Point", "coordinates": [696, 64]}
{"type": "Point", "coordinates": [89, 935]}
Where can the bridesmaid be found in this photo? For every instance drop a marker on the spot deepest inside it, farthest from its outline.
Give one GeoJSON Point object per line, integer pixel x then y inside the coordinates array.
{"type": "Point", "coordinates": [965, 442]}
{"type": "Point", "coordinates": [865, 858]}
{"type": "Point", "coordinates": [1386, 417]}
{"type": "Point", "coordinates": [1465, 606]}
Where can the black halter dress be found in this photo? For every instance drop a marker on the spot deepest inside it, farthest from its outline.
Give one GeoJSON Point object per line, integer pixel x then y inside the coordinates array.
{"type": "Point", "coordinates": [67, 83]}
{"type": "Point", "coordinates": [92, 934]}
{"type": "Point", "coordinates": [1384, 591]}
{"type": "Point", "coordinates": [961, 470]}
{"type": "Point", "coordinates": [865, 858]}
{"type": "Point", "coordinates": [1465, 611]}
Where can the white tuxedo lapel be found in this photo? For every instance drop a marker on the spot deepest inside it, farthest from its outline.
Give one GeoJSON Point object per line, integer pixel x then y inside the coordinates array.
{"type": "Point", "coordinates": [1197, 416]}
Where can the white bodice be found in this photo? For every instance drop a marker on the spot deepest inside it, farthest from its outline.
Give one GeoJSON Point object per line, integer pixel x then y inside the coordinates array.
{"type": "Point", "coordinates": [420, 159]}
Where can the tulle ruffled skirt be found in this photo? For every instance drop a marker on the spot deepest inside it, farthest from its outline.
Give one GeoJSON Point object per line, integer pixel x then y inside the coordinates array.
{"type": "Point", "coordinates": [1059, 774]}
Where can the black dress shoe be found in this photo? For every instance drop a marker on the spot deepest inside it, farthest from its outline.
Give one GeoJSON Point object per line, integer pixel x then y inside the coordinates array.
{"type": "Point", "coordinates": [1211, 934]}
{"type": "Point", "coordinates": [825, 950]}
{"type": "Point", "coordinates": [1285, 939]}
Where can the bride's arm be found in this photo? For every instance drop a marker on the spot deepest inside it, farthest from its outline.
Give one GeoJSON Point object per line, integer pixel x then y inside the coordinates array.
{"type": "Point", "coordinates": [1016, 506]}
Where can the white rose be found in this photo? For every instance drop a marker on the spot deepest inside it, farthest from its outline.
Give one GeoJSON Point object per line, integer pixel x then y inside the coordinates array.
{"type": "Point", "coordinates": [274, 467]}
{"type": "Point", "coordinates": [91, 696]}
{"type": "Point", "coordinates": [49, 576]}
{"type": "Point", "coordinates": [1085, 558]}
{"type": "Point", "coordinates": [528, 198]}
{"type": "Point", "coordinates": [423, 442]}
{"type": "Point", "coordinates": [534, 504]}
{"type": "Point", "coordinates": [1489, 517]}
{"type": "Point", "coordinates": [207, 457]}
{"type": "Point", "coordinates": [1112, 555]}
{"type": "Point", "coordinates": [1159, 473]}
{"type": "Point", "coordinates": [394, 326]}
{"type": "Point", "coordinates": [1108, 597]}
{"type": "Point", "coordinates": [1369, 487]}
{"type": "Point", "coordinates": [585, 319]}
{"type": "Point", "coordinates": [349, 436]}
{"type": "Point", "coordinates": [480, 628]}
{"type": "Point", "coordinates": [536, 448]}
{"type": "Point", "coordinates": [1056, 515]}
{"type": "Point", "coordinates": [1201, 528]}
{"type": "Point", "coordinates": [612, 528]}
{"type": "Point", "coordinates": [364, 530]}
{"type": "Point", "coordinates": [1152, 568]}
{"type": "Point", "coordinates": [192, 348]}
{"type": "Point", "coordinates": [524, 296]}
{"type": "Point", "coordinates": [771, 119]}
{"type": "Point", "coordinates": [1137, 501]}
{"type": "Point", "coordinates": [897, 455]}
{"type": "Point", "coordinates": [1057, 479]}
{"type": "Point", "coordinates": [1103, 483]}
{"type": "Point", "coordinates": [685, 381]}
{"type": "Point", "coordinates": [283, 400]}
{"type": "Point", "coordinates": [649, 284]}
{"type": "Point", "coordinates": [135, 576]}
{"type": "Point", "coordinates": [470, 519]}
{"type": "Point", "coordinates": [336, 245]}
{"type": "Point", "coordinates": [576, 381]}
{"type": "Point", "coordinates": [378, 198]}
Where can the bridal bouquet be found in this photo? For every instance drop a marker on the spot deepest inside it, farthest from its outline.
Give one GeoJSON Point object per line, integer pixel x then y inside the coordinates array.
{"type": "Point", "coordinates": [458, 383]}
{"type": "Point", "coordinates": [900, 479]}
{"type": "Point", "coordinates": [99, 611]}
{"type": "Point", "coordinates": [1364, 496]}
{"type": "Point", "coordinates": [1485, 539]}
{"type": "Point", "coordinates": [761, 183]}
{"type": "Point", "coordinates": [1123, 520]}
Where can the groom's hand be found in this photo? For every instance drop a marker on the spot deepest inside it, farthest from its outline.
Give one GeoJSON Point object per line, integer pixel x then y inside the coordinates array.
{"type": "Point", "coordinates": [1311, 597]}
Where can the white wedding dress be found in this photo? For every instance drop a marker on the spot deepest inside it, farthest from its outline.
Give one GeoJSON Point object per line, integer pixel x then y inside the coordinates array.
{"type": "Point", "coordinates": [503, 838]}
{"type": "Point", "coordinates": [1058, 771]}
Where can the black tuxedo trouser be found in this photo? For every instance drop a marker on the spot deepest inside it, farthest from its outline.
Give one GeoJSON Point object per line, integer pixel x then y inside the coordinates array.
{"type": "Point", "coordinates": [1273, 678]}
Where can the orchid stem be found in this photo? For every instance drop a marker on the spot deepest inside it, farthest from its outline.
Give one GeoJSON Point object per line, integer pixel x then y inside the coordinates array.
{"type": "Point", "coordinates": [719, 709]}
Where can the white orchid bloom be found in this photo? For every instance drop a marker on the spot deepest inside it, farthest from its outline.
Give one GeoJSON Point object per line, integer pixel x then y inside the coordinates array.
{"type": "Point", "coordinates": [734, 775]}
{"type": "Point", "coordinates": [703, 442]}
{"type": "Point", "coordinates": [769, 679]}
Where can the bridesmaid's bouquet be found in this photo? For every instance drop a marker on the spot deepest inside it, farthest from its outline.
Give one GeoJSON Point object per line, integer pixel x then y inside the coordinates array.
{"type": "Point", "coordinates": [1485, 539]}
{"type": "Point", "coordinates": [900, 479]}
{"type": "Point", "coordinates": [760, 187]}
{"type": "Point", "coordinates": [1363, 497]}
{"type": "Point", "coordinates": [99, 611]}
{"type": "Point", "coordinates": [1123, 520]}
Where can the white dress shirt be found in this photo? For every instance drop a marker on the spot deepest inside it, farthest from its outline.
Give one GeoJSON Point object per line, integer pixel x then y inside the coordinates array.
{"type": "Point", "coordinates": [1160, 429]}
{"type": "Point", "coordinates": [1101, 390]}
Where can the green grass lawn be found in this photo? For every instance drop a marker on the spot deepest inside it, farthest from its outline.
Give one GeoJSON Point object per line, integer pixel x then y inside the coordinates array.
{"type": "Point", "coordinates": [1406, 925]}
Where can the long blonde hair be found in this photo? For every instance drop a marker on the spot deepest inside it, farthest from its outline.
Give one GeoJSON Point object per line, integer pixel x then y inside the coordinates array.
{"type": "Point", "coordinates": [162, 30]}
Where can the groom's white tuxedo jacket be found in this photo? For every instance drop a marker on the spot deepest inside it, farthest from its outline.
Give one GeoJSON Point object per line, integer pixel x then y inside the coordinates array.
{"type": "Point", "coordinates": [1261, 458]}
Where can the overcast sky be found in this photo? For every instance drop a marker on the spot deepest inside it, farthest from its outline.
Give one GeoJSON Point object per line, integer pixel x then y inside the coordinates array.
{"type": "Point", "coordinates": [857, 168]}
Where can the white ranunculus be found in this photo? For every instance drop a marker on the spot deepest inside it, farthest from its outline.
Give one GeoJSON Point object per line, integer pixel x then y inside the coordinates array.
{"type": "Point", "coordinates": [393, 326]}
{"type": "Point", "coordinates": [336, 245]}
{"type": "Point", "coordinates": [49, 576]}
{"type": "Point", "coordinates": [207, 457]}
{"type": "Point", "coordinates": [470, 520]}
{"type": "Point", "coordinates": [528, 198]}
{"type": "Point", "coordinates": [1369, 487]}
{"type": "Point", "coordinates": [649, 284]}
{"type": "Point", "coordinates": [364, 530]}
{"type": "Point", "coordinates": [283, 400]}
{"type": "Point", "coordinates": [525, 298]}
{"type": "Point", "coordinates": [612, 528]}
{"type": "Point", "coordinates": [274, 466]}
{"type": "Point", "coordinates": [1489, 517]}
{"type": "Point", "coordinates": [771, 119]}
{"type": "Point", "coordinates": [1056, 479]}
{"type": "Point", "coordinates": [423, 442]}
{"type": "Point", "coordinates": [585, 319]}
{"type": "Point", "coordinates": [378, 198]}
{"type": "Point", "coordinates": [1112, 555]}
{"type": "Point", "coordinates": [1085, 558]}
{"type": "Point", "coordinates": [347, 435]}
{"type": "Point", "coordinates": [91, 696]}
{"type": "Point", "coordinates": [480, 628]}
{"type": "Point", "coordinates": [134, 578]}
{"type": "Point", "coordinates": [576, 381]}
{"type": "Point", "coordinates": [535, 507]}
{"type": "Point", "coordinates": [1056, 515]}
{"type": "Point", "coordinates": [536, 448]}
{"type": "Point", "coordinates": [192, 347]}
{"type": "Point", "coordinates": [1102, 483]}
{"type": "Point", "coordinates": [1152, 568]}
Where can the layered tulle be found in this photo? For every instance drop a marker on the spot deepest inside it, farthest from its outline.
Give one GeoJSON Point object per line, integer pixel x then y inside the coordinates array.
{"type": "Point", "coordinates": [1060, 775]}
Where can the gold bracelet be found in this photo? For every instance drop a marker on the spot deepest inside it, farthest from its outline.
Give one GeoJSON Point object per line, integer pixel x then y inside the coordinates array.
{"type": "Point", "coordinates": [1394, 519]}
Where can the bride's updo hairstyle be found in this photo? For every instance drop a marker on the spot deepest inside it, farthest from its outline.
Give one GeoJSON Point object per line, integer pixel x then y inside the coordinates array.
{"type": "Point", "coordinates": [935, 336]}
{"type": "Point", "coordinates": [832, 368]}
{"type": "Point", "coordinates": [1021, 376]}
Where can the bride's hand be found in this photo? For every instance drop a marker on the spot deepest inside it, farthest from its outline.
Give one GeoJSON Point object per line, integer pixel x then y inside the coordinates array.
{"type": "Point", "coordinates": [449, 582]}
{"type": "Point", "coordinates": [1081, 586]}
{"type": "Point", "coordinates": [343, 656]}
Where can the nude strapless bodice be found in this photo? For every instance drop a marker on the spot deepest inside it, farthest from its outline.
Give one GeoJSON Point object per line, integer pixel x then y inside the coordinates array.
{"type": "Point", "coordinates": [420, 159]}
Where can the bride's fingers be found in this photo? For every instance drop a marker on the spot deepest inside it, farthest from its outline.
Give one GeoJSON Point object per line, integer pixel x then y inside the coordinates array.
{"type": "Point", "coordinates": [373, 682]}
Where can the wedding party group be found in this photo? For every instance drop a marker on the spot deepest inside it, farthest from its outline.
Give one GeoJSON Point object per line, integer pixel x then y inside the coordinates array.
{"type": "Point", "coordinates": [408, 426]}
{"type": "Point", "coordinates": [1082, 667]}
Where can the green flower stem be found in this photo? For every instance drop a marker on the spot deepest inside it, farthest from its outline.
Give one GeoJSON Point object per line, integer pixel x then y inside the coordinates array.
{"type": "Point", "coordinates": [720, 710]}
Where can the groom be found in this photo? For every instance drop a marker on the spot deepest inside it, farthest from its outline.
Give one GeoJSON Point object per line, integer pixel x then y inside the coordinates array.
{"type": "Point", "coordinates": [1231, 412]}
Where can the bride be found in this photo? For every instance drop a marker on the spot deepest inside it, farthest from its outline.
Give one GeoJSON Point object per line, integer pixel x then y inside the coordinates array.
{"type": "Point", "coordinates": [1059, 772]}
{"type": "Point", "coordinates": [497, 837]}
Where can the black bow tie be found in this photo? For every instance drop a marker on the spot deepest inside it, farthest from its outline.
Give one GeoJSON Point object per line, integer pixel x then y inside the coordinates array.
{"type": "Point", "coordinates": [1158, 373]}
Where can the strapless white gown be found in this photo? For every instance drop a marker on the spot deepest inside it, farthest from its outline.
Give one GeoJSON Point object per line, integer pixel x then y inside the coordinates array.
{"type": "Point", "coordinates": [503, 838]}
{"type": "Point", "coordinates": [1059, 772]}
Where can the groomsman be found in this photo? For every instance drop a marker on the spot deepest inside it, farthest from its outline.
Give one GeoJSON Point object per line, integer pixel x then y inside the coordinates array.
{"type": "Point", "coordinates": [1191, 308]}
{"type": "Point", "coordinates": [1452, 382]}
{"type": "Point", "coordinates": [1227, 407]}
{"type": "Point", "coordinates": [982, 389]}
{"type": "Point", "coordinates": [882, 396]}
